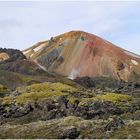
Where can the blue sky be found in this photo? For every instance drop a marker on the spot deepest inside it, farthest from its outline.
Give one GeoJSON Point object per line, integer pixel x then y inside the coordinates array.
{"type": "Point", "coordinates": [22, 24]}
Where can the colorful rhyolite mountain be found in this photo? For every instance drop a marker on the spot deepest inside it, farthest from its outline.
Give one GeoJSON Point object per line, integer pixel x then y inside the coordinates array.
{"type": "Point", "coordinates": [78, 54]}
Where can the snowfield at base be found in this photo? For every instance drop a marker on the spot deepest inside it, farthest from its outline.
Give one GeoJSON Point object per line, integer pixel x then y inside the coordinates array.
{"type": "Point", "coordinates": [134, 62]}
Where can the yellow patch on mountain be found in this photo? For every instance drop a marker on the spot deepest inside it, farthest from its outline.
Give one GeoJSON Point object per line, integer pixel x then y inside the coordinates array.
{"type": "Point", "coordinates": [3, 56]}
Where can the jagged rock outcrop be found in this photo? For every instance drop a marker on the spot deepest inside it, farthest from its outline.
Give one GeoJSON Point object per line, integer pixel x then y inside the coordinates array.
{"type": "Point", "coordinates": [10, 55]}
{"type": "Point", "coordinates": [15, 61]}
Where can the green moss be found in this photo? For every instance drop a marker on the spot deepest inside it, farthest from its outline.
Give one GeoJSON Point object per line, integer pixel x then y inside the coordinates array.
{"type": "Point", "coordinates": [63, 87]}
{"type": "Point", "coordinates": [114, 97]}
{"type": "Point", "coordinates": [71, 120]}
{"type": "Point", "coordinates": [7, 100]}
{"type": "Point", "coordinates": [35, 96]}
{"type": "Point", "coordinates": [47, 86]}
{"type": "Point", "coordinates": [72, 100]}
{"type": "Point", "coordinates": [118, 99]}
{"type": "Point", "coordinates": [3, 89]}
{"type": "Point", "coordinates": [43, 90]}
{"type": "Point", "coordinates": [85, 101]}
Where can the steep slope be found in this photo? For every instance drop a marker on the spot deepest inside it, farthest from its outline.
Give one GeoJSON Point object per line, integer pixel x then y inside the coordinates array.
{"type": "Point", "coordinates": [78, 54]}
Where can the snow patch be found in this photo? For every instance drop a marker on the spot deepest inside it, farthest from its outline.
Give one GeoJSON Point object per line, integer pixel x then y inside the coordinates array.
{"type": "Point", "coordinates": [38, 48]}
{"type": "Point", "coordinates": [25, 52]}
{"type": "Point", "coordinates": [132, 54]}
{"type": "Point", "coordinates": [42, 67]}
{"type": "Point", "coordinates": [74, 73]}
{"type": "Point", "coordinates": [134, 62]}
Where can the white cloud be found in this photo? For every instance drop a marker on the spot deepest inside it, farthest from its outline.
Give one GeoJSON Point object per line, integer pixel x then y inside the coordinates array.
{"type": "Point", "coordinates": [25, 23]}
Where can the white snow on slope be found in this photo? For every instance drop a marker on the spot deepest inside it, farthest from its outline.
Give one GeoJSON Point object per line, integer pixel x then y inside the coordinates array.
{"type": "Point", "coordinates": [38, 48]}
{"type": "Point", "coordinates": [42, 67]}
{"type": "Point", "coordinates": [25, 52]}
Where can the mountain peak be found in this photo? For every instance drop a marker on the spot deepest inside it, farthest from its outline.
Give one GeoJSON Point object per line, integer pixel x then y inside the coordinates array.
{"type": "Point", "coordinates": [78, 54]}
{"type": "Point", "coordinates": [75, 33]}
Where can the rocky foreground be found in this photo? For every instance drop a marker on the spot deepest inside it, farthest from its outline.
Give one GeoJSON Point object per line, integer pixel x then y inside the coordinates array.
{"type": "Point", "coordinates": [58, 110]}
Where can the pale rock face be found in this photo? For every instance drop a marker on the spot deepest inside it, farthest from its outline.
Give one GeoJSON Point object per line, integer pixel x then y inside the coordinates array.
{"type": "Point", "coordinates": [134, 62]}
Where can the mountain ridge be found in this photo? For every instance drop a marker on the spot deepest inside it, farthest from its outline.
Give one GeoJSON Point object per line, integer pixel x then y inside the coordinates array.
{"type": "Point", "coordinates": [75, 53]}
